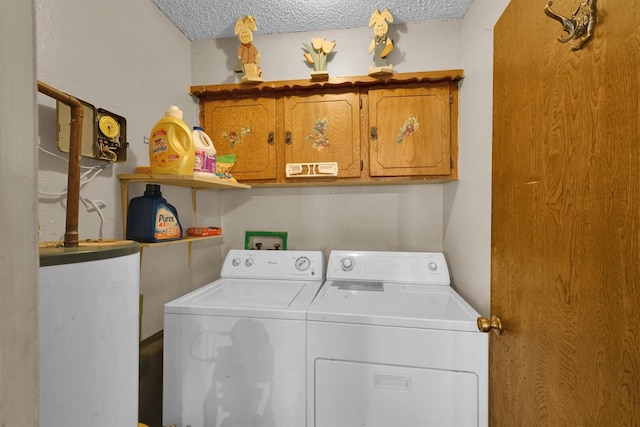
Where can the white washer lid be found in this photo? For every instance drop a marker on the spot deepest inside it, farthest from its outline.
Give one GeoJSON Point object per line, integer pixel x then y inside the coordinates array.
{"type": "Point", "coordinates": [248, 298]}
{"type": "Point", "coordinates": [393, 304]}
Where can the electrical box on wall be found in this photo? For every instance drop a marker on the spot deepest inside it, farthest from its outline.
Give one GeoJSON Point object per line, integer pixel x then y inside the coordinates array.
{"type": "Point", "coordinates": [104, 134]}
{"type": "Point", "coordinates": [275, 240]}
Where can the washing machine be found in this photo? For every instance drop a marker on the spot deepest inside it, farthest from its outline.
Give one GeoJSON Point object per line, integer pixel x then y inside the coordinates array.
{"type": "Point", "coordinates": [234, 350]}
{"type": "Point", "coordinates": [390, 343]}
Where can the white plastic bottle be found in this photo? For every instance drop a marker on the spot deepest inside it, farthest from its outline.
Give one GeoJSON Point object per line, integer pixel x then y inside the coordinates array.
{"type": "Point", "coordinates": [205, 152]}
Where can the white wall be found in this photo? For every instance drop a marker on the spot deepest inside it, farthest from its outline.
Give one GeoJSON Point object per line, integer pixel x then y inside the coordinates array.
{"type": "Point", "coordinates": [123, 56]}
{"type": "Point", "coordinates": [18, 254]}
{"type": "Point", "coordinates": [126, 57]}
{"type": "Point", "coordinates": [467, 202]}
{"type": "Point", "coordinates": [464, 229]}
{"type": "Point", "coordinates": [418, 47]}
{"type": "Point", "coordinates": [152, 70]}
{"type": "Point", "coordinates": [357, 217]}
{"type": "Point", "coordinates": [153, 67]}
{"type": "Point", "coordinates": [388, 217]}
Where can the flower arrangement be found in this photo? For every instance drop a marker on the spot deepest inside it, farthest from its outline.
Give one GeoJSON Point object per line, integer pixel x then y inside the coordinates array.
{"type": "Point", "coordinates": [318, 138]}
{"type": "Point", "coordinates": [316, 54]}
{"type": "Point", "coordinates": [234, 138]}
{"type": "Point", "coordinates": [408, 128]}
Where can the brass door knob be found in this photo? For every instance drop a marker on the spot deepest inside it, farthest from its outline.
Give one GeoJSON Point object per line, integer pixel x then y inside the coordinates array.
{"type": "Point", "coordinates": [493, 325]}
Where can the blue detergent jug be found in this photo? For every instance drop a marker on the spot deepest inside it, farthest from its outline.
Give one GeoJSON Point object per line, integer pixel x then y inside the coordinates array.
{"type": "Point", "coordinates": [151, 219]}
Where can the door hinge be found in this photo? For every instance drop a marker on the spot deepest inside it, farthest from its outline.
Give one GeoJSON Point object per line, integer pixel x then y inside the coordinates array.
{"type": "Point", "coordinates": [451, 162]}
{"type": "Point", "coordinates": [361, 165]}
{"type": "Point", "coordinates": [361, 103]}
{"type": "Point", "coordinates": [451, 98]}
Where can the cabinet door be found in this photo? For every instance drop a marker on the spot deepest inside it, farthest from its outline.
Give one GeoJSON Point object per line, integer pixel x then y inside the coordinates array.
{"type": "Point", "coordinates": [244, 127]}
{"type": "Point", "coordinates": [410, 131]}
{"type": "Point", "coordinates": [324, 128]}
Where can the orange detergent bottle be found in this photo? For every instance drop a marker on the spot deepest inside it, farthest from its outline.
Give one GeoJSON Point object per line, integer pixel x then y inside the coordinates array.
{"type": "Point", "coordinates": [171, 149]}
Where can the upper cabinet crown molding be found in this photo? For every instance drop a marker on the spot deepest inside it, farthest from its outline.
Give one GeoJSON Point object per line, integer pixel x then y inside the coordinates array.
{"type": "Point", "coordinates": [238, 89]}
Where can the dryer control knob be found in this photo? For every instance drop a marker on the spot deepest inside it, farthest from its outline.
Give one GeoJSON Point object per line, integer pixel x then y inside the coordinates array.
{"type": "Point", "coordinates": [235, 262]}
{"type": "Point", "coordinates": [302, 263]}
{"type": "Point", "coordinates": [248, 262]}
{"type": "Point", "coordinates": [432, 266]}
{"type": "Point", "coordinates": [346, 263]}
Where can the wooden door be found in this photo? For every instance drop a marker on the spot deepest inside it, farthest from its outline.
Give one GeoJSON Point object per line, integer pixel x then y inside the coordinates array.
{"type": "Point", "coordinates": [410, 131]}
{"type": "Point", "coordinates": [323, 128]}
{"type": "Point", "coordinates": [566, 219]}
{"type": "Point", "coordinates": [244, 127]}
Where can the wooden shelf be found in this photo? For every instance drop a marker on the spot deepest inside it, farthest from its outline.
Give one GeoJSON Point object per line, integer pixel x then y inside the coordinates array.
{"type": "Point", "coordinates": [185, 239]}
{"type": "Point", "coordinates": [194, 182]}
{"type": "Point", "coordinates": [244, 89]}
{"type": "Point", "coordinates": [189, 181]}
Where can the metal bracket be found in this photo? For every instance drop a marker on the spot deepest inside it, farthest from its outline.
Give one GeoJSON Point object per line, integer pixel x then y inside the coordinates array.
{"type": "Point", "coordinates": [579, 27]}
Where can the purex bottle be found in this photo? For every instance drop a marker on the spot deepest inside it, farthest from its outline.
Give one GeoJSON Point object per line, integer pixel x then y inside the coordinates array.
{"type": "Point", "coordinates": [151, 219]}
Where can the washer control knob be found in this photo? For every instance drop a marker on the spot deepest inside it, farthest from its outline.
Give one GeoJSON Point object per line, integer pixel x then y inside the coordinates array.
{"type": "Point", "coordinates": [235, 262]}
{"type": "Point", "coordinates": [347, 264]}
{"type": "Point", "coordinates": [248, 262]}
{"type": "Point", "coordinates": [302, 263]}
{"type": "Point", "coordinates": [432, 266]}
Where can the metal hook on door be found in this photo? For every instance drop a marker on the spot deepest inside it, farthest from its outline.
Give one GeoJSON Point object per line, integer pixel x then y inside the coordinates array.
{"type": "Point", "coordinates": [579, 27]}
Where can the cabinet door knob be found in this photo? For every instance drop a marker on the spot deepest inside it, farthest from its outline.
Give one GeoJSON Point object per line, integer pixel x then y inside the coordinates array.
{"type": "Point", "coordinates": [287, 137]}
{"type": "Point", "coordinates": [374, 133]}
{"type": "Point", "coordinates": [270, 138]}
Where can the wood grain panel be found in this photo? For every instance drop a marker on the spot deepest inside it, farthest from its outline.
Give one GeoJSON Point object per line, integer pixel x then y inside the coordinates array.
{"type": "Point", "coordinates": [565, 220]}
{"type": "Point", "coordinates": [341, 138]}
{"type": "Point", "coordinates": [412, 129]}
{"type": "Point", "coordinates": [255, 156]}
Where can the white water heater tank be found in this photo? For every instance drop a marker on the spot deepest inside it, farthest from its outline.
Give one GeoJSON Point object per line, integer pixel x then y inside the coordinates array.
{"type": "Point", "coordinates": [89, 335]}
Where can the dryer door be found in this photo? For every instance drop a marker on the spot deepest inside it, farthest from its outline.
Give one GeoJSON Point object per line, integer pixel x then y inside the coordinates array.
{"type": "Point", "coordinates": [355, 393]}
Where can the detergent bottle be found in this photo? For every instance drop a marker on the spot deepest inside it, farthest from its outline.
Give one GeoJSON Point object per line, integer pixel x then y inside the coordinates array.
{"type": "Point", "coordinates": [205, 152]}
{"type": "Point", "coordinates": [151, 219]}
{"type": "Point", "coordinates": [171, 145]}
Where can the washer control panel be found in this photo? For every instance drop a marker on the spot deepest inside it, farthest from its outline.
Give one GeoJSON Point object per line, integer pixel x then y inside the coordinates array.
{"type": "Point", "coordinates": [347, 263]}
{"type": "Point", "coordinates": [399, 267]}
{"type": "Point", "coordinates": [292, 265]}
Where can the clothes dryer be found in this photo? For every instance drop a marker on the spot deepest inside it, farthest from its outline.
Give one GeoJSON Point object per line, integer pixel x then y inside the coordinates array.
{"type": "Point", "coordinates": [234, 350]}
{"type": "Point", "coordinates": [390, 343]}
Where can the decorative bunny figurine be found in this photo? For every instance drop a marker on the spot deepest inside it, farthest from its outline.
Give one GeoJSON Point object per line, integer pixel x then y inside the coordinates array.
{"type": "Point", "coordinates": [381, 44]}
{"type": "Point", "coordinates": [248, 54]}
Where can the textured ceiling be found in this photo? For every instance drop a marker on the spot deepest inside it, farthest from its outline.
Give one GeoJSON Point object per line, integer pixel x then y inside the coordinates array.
{"type": "Point", "coordinates": [213, 19]}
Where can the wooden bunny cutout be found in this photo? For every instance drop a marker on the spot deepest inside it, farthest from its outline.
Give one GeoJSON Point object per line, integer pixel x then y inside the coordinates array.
{"type": "Point", "coordinates": [248, 54]}
{"type": "Point", "coordinates": [381, 44]}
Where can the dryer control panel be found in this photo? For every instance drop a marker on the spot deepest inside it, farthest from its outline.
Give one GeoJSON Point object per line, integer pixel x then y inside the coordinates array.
{"type": "Point", "coordinates": [398, 267]}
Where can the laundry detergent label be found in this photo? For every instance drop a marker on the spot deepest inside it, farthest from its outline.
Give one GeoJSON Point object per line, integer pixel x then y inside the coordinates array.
{"type": "Point", "coordinates": [167, 226]}
{"type": "Point", "coordinates": [162, 155]}
{"type": "Point", "coordinates": [159, 142]}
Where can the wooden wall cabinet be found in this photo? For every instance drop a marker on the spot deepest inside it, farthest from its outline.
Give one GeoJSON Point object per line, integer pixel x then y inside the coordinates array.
{"type": "Point", "coordinates": [410, 131]}
{"type": "Point", "coordinates": [402, 128]}
{"type": "Point", "coordinates": [244, 127]}
{"type": "Point", "coordinates": [323, 128]}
